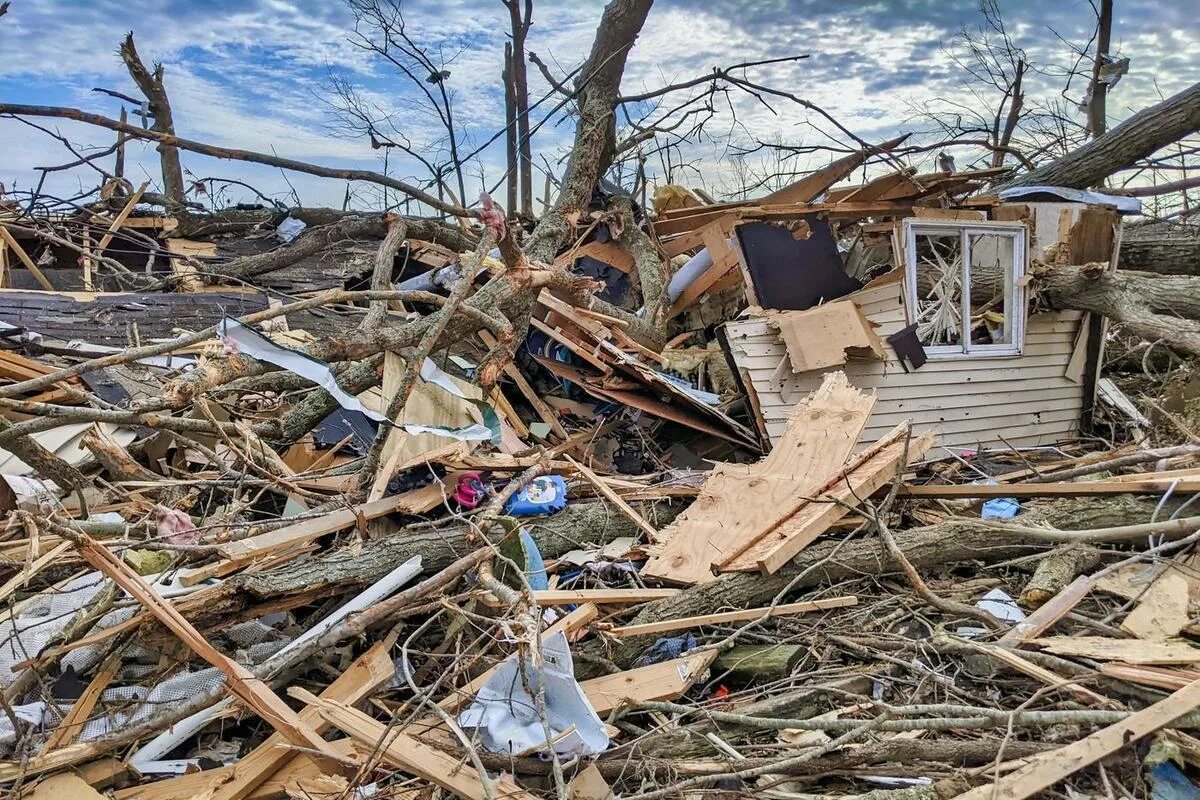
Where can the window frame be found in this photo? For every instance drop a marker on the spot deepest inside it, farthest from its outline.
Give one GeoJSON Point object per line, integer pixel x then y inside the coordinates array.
{"type": "Point", "coordinates": [965, 349]}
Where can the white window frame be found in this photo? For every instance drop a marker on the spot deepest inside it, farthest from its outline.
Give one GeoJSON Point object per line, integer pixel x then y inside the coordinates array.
{"type": "Point", "coordinates": [965, 349]}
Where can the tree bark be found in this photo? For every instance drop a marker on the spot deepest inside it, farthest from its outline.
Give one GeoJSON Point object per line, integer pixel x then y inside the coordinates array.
{"type": "Point", "coordinates": [151, 85]}
{"type": "Point", "coordinates": [597, 91]}
{"type": "Point", "coordinates": [521, 13]}
{"type": "Point", "coordinates": [1144, 133]}
{"type": "Point", "coordinates": [1155, 307]}
{"type": "Point", "coordinates": [1098, 107]}
{"type": "Point", "coordinates": [1167, 248]}
{"type": "Point", "coordinates": [953, 541]}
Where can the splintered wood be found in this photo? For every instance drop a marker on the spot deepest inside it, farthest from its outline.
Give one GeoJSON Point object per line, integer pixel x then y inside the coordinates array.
{"type": "Point", "coordinates": [740, 502]}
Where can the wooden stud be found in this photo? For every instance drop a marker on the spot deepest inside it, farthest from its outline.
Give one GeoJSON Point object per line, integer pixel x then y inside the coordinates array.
{"type": "Point", "coordinates": [746, 615]}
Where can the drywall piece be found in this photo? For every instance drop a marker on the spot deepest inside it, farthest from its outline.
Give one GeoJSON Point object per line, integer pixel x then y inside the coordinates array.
{"type": "Point", "coordinates": [793, 266]}
{"type": "Point", "coordinates": [740, 501]}
{"type": "Point", "coordinates": [822, 336]}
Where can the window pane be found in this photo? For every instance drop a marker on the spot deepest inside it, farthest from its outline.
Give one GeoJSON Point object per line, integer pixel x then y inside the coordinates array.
{"type": "Point", "coordinates": [939, 288]}
{"type": "Point", "coordinates": [991, 291]}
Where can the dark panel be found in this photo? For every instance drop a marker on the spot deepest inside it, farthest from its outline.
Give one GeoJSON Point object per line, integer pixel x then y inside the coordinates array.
{"type": "Point", "coordinates": [792, 273]}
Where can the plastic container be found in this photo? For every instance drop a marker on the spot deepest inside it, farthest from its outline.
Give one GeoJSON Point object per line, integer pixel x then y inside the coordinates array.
{"type": "Point", "coordinates": [543, 495]}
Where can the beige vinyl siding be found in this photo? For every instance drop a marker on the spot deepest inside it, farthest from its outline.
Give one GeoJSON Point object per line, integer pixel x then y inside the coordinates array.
{"type": "Point", "coordinates": [968, 402]}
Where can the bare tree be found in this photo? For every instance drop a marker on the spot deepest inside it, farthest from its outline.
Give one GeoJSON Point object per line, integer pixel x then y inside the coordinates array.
{"type": "Point", "coordinates": [150, 82]}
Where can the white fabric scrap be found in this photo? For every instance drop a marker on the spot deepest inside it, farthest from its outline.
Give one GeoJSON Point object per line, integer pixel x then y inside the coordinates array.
{"type": "Point", "coordinates": [506, 719]}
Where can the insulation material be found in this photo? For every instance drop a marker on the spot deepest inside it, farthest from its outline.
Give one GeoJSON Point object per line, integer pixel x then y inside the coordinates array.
{"type": "Point", "coordinates": [821, 336]}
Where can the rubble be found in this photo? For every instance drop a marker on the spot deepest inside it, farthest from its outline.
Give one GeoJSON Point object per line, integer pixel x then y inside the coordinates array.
{"type": "Point", "coordinates": [301, 503]}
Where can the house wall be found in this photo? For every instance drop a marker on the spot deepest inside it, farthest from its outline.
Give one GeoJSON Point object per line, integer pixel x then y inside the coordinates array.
{"type": "Point", "coordinates": [1032, 399]}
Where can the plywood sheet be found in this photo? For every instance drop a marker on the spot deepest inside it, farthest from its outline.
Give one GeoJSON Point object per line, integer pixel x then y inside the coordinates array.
{"type": "Point", "coordinates": [739, 501]}
{"type": "Point", "coordinates": [822, 336]}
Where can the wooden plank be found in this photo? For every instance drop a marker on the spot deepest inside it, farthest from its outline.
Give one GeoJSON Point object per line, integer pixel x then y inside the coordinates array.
{"type": "Point", "coordinates": [181, 250]}
{"type": "Point", "coordinates": [614, 498]}
{"type": "Point", "coordinates": [575, 347]}
{"type": "Point", "coordinates": [527, 391]}
{"type": "Point", "coordinates": [1042, 674]}
{"type": "Point", "coordinates": [1158, 677]}
{"type": "Point", "coordinates": [1162, 611]}
{"type": "Point", "coordinates": [24, 258]}
{"type": "Point", "coordinates": [64, 786]}
{"type": "Point", "coordinates": [1048, 613]}
{"type": "Point", "coordinates": [869, 471]}
{"type": "Point", "coordinates": [369, 671]}
{"type": "Point", "coordinates": [413, 502]}
{"type": "Point", "coordinates": [714, 236]}
{"type": "Point", "coordinates": [746, 615]}
{"type": "Point", "coordinates": [1130, 651]}
{"type": "Point", "coordinates": [409, 754]}
{"type": "Point", "coordinates": [1046, 769]}
{"type": "Point", "coordinates": [241, 682]}
{"type": "Point", "coordinates": [72, 724]}
{"type": "Point", "coordinates": [666, 680]}
{"type": "Point", "coordinates": [820, 337]}
{"type": "Point", "coordinates": [1065, 489]}
{"type": "Point", "coordinates": [740, 501]}
{"type": "Point", "coordinates": [119, 220]}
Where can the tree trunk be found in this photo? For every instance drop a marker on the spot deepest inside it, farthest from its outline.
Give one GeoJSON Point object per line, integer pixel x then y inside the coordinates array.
{"type": "Point", "coordinates": [930, 547]}
{"type": "Point", "coordinates": [1098, 107]}
{"type": "Point", "coordinates": [519, 73]}
{"type": "Point", "coordinates": [1155, 307]}
{"type": "Point", "coordinates": [597, 90]}
{"type": "Point", "coordinates": [1167, 248]}
{"type": "Point", "coordinates": [151, 84]}
{"type": "Point", "coordinates": [1145, 132]}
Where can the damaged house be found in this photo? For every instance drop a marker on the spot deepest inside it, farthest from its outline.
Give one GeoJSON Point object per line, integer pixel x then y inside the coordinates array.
{"type": "Point", "coordinates": [927, 306]}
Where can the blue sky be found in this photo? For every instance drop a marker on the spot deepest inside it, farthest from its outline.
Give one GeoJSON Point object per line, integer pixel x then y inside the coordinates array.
{"type": "Point", "coordinates": [255, 74]}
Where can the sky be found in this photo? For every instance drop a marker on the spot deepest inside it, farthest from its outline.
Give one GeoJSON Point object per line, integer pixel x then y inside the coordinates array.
{"type": "Point", "coordinates": [258, 75]}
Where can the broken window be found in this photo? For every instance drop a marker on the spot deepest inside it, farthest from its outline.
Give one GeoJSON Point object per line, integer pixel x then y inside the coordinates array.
{"type": "Point", "coordinates": [964, 286]}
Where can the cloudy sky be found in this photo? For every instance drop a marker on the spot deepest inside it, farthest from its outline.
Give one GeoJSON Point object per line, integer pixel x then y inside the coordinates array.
{"type": "Point", "coordinates": [256, 74]}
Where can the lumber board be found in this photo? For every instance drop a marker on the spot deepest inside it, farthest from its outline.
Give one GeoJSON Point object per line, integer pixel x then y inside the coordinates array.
{"type": "Point", "coordinates": [1065, 489]}
{"type": "Point", "coordinates": [868, 472]}
{"type": "Point", "coordinates": [24, 258]}
{"type": "Point", "coordinates": [412, 502]}
{"type": "Point", "coordinates": [1048, 613]}
{"type": "Point", "coordinates": [241, 682]}
{"type": "Point", "coordinates": [409, 754]}
{"type": "Point", "coordinates": [368, 672]}
{"type": "Point", "coordinates": [607, 491]}
{"type": "Point", "coordinates": [665, 680]}
{"type": "Point", "coordinates": [745, 615]}
{"type": "Point", "coordinates": [738, 502]}
{"type": "Point", "coordinates": [1044, 770]}
{"type": "Point", "coordinates": [1130, 651]}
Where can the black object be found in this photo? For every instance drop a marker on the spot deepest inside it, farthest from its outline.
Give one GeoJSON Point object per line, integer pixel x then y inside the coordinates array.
{"type": "Point", "coordinates": [616, 283]}
{"type": "Point", "coordinates": [340, 424]}
{"type": "Point", "coordinates": [908, 347]}
{"type": "Point", "coordinates": [67, 686]}
{"type": "Point", "coordinates": [790, 273]}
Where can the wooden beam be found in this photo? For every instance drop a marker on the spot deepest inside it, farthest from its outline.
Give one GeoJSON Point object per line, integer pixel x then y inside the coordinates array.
{"type": "Point", "coordinates": [1046, 769]}
{"type": "Point", "coordinates": [414, 502]}
{"type": "Point", "coordinates": [745, 615]}
{"type": "Point", "coordinates": [119, 220]}
{"type": "Point", "coordinates": [72, 724]}
{"type": "Point", "coordinates": [614, 498]}
{"type": "Point", "coordinates": [368, 672]}
{"type": "Point", "coordinates": [665, 680]}
{"type": "Point", "coordinates": [409, 754]}
{"type": "Point", "coordinates": [24, 258]}
{"type": "Point", "coordinates": [242, 683]}
{"type": "Point", "coordinates": [527, 391]}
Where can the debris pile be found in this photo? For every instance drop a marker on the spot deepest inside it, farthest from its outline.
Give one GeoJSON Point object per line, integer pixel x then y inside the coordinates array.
{"type": "Point", "coordinates": [846, 529]}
